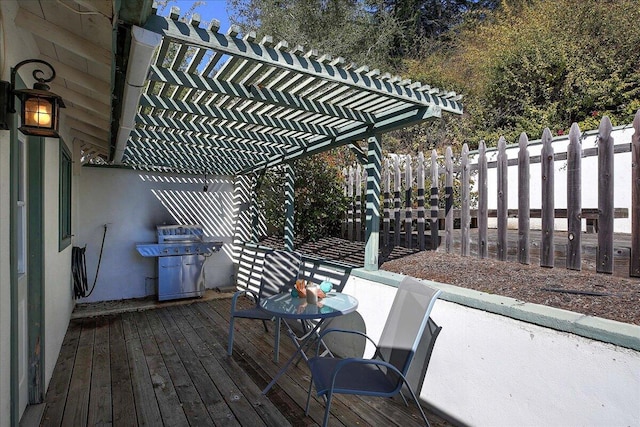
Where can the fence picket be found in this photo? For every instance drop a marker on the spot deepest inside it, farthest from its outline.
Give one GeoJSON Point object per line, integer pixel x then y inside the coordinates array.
{"type": "Point", "coordinates": [465, 217]}
{"type": "Point", "coordinates": [351, 206]}
{"type": "Point", "coordinates": [634, 264]}
{"type": "Point", "coordinates": [386, 226]}
{"type": "Point", "coordinates": [434, 200]}
{"type": "Point", "coordinates": [524, 177]}
{"type": "Point", "coordinates": [483, 218]}
{"type": "Point", "coordinates": [420, 186]}
{"type": "Point", "coordinates": [408, 219]}
{"type": "Point", "coordinates": [604, 254]}
{"type": "Point", "coordinates": [502, 199]}
{"type": "Point", "coordinates": [358, 208]}
{"type": "Point", "coordinates": [396, 202]}
{"type": "Point", "coordinates": [547, 202]}
{"type": "Point", "coordinates": [574, 200]}
{"type": "Point", "coordinates": [448, 200]}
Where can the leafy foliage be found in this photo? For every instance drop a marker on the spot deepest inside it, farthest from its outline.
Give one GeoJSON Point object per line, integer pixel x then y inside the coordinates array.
{"type": "Point", "coordinates": [348, 28]}
{"type": "Point", "coordinates": [319, 199]}
{"type": "Point", "coordinates": [539, 64]}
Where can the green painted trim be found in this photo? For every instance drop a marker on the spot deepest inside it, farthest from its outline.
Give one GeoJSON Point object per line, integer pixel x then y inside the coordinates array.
{"type": "Point", "coordinates": [13, 267]}
{"type": "Point", "coordinates": [35, 266]}
{"type": "Point", "coordinates": [65, 172]}
{"type": "Point", "coordinates": [599, 329]}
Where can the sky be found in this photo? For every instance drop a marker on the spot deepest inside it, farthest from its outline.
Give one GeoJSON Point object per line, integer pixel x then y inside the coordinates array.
{"type": "Point", "coordinates": [211, 9]}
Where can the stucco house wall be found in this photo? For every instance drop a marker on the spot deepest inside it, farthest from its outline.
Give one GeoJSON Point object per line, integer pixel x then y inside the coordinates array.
{"type": "Point", "coordinates": [131, 204]}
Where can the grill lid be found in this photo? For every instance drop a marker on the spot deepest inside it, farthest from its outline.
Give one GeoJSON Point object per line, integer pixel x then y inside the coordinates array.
{"type": "Point", "coordinates": [179, 233]}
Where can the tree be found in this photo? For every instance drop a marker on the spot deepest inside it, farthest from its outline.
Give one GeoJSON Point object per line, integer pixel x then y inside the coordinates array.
{"type": "Point", "coordinates": [536, 64]}
{"type": "Point", "coordinates": [349, 28]}
{"type": "Point", "coordinates": [319, 200]}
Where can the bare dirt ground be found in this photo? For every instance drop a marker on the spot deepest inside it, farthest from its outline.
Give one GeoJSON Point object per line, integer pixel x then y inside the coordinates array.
{"type": "Point", "coordinates": [586, 292]}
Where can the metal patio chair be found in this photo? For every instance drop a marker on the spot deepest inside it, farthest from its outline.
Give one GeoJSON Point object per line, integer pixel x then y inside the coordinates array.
{"type": "Point", "coordinates": [279, 273]}
{"type": "Point", "coordinates": [408, 331]}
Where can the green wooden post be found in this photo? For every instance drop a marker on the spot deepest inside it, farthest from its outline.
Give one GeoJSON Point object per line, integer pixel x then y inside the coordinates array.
{"type": "Point", "coordinates": [13, 274]}
{"type": "Point", "coordinates": [35, 266]}
{"type": "Point", "coordinates": [289, 228]}
{"type": "Point", "coordinates": [374, 169]}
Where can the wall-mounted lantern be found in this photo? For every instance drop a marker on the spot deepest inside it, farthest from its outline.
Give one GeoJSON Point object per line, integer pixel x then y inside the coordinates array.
{"type": "Point", "coordinates": [40, 108]}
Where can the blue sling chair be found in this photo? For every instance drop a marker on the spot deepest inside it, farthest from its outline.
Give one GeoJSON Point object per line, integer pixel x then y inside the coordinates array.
{"type": "Point", "coordinates": [408, 331]}
{"type": "Point", "coordinates": [279, 273]}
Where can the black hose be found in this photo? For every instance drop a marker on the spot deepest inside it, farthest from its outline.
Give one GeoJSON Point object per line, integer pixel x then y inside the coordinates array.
{"type": "Point", "coordinates": [79, 272]}
{"type": "Point", "coordinates": [79, 269]}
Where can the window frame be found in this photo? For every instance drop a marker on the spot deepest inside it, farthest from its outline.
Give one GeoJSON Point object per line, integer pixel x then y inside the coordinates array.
{"type": "Point", "coordinates": [64, 193]}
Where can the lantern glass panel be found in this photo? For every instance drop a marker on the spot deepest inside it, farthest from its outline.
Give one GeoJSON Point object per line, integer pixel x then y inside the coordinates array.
{"type": "Point", "coordinates": [38, 112]}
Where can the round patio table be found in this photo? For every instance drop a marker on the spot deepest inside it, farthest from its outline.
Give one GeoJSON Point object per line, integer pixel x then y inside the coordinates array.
{"type": "Point", "coordinates": [285, 306]}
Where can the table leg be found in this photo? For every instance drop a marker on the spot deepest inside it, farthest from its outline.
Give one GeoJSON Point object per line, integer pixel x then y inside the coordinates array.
{"type": "Point", "coordinates": [300, 344]}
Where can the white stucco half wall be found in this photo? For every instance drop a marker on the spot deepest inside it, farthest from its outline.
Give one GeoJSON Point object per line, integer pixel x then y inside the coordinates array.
{"type": "Point", "coordinates": [491, 370]}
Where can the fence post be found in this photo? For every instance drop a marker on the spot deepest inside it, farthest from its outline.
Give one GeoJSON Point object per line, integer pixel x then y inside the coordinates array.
{"type": "Point", "coordinates": [386, 176]}
{"type": "Point", "coordinates": [604, 256]}
{"type": "Point", "coordinates": [465, 217]}
{"type": "Point", "coordinates": [574, 200]}
{"type": "Point", "coordinates": [434, 200]}
{"type": "Point", "coordinates": [524, 178]}
{"type": "Point", "coordinates": [420, 185]}
{"type": "Point", "coordinates": [408, 220]}
{"type": "Point", "coordinates": [345, 189]}
{"type": "Point", "coordinates": [547, 162]}
{"type": "Point", "coordinates": [358, 208]}
{"type": "Point", "coordinates": [483, 249]}
{"type": "Point", "coordinates": [396, 201]}
{"type": "Point", "coordinates": [448, 199]}
{"type": "Point", "coordinates": [634, 264]}
{"type": "Point", "coordinates": [350, 226]}
{"type": "Point", "coordinates": [503, 197]}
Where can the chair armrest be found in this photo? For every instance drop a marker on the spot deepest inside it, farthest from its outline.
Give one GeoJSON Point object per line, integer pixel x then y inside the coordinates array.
{"type": "Point", "coordinates": [345, 331]}
{"type": "Point", "coordinates": [238, 294]}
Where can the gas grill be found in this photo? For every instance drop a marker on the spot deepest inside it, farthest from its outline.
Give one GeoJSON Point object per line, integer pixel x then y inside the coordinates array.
{"type": "Point", "coordinates": [181, 252]}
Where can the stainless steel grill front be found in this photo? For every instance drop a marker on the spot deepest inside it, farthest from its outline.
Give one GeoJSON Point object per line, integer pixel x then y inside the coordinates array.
{"type": "Point", "coordinates": [181, 252]}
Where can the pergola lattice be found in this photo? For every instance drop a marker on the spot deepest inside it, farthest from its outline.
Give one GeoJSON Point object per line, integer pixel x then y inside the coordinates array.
{"type": "Point", "coordinates": [215, 103]}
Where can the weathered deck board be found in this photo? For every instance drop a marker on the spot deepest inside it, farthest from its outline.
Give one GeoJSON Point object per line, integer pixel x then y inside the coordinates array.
{"type": "Point", "coordinates": [100, 405]}
{"type": "Point", "coordinates": [59, 385]}
{"type": "Point", "coordinates": [147, 410]}
{"type": "Point", "coordinates": [169, 367]}
{"type": "Point", "coordinates": [124, 410]}
{"type": "Point", "coordinates": [77, 406]}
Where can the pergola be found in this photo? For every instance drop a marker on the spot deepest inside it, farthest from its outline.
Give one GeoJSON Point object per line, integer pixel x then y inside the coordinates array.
{"type": "Point", "coordinates": [198, 101]}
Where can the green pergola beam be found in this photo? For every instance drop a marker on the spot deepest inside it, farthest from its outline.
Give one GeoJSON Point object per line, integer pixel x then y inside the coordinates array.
{"type": "Point", "coordinates": [254, 93]}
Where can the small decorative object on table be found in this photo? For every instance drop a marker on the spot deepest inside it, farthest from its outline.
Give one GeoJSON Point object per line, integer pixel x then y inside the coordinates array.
{"type": "Point", "coordinates": [309, 290]}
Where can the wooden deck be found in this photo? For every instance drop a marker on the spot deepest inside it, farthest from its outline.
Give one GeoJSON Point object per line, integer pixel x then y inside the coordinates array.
{"type": "Point", "coordinates": [168, 366]}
